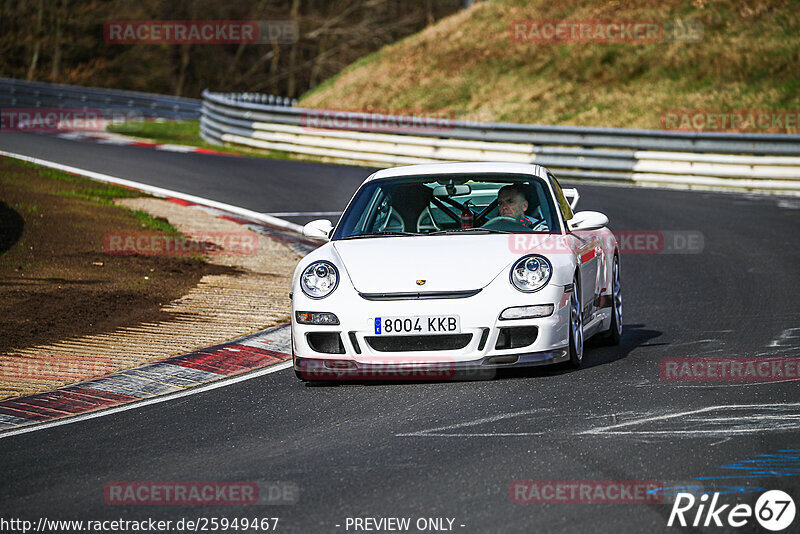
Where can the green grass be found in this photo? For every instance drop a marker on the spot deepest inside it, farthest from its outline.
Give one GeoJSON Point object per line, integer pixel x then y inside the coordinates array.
{"type": "Point", "coordinates": [748, 58]}
{"type": "Point", "coordinates": [81, 187]}
{"type": "Point", "coordinates": [103, 195]}
{"type": "Point", "coordinates": [178, 132]}
{"type": "Point", "coordinates": [158, 224]}
{"type": "Point", "coordinates": [26, 208]}
{"type": "Point", "coordinates": [72, 186]}
{"type": "Point", "coordinates": [185, 133]}
{"type": "Point", "coordinates": [100, 193]}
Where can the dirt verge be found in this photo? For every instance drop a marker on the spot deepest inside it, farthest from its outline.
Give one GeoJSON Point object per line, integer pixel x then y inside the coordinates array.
{"type": "Point", "coordinates": [72, 306]}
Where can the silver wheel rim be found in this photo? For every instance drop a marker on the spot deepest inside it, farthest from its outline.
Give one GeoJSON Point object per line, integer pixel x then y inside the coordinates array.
{"type": "Point", "coordinates": [576, 323]}
{"type": "Point", "coordinates": [617, 297]}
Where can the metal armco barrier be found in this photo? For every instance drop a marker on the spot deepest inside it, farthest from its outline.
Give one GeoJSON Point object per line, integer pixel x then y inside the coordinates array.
{"type": "Point", "coordinates": [111, 102]}
{"type": "Point", "coordinates": [739, 161]}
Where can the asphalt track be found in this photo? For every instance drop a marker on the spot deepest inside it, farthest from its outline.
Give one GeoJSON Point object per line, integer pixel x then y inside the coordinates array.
{"type": "Point", "coordinates": [451, 449]}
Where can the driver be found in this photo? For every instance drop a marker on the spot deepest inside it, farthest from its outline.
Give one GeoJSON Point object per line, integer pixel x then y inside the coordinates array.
{"type": "Point", "coordinates": [511, 202]}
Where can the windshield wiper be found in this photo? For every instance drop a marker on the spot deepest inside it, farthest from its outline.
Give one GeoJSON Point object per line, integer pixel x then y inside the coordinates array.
{"type": "Point", "coordinates": [470, 230]}
{"type": "Point", "coordinates": [380, 234]}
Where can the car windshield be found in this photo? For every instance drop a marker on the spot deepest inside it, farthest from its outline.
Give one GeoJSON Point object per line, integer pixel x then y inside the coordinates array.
{"type": "Point", "coordinates": [446, 204]}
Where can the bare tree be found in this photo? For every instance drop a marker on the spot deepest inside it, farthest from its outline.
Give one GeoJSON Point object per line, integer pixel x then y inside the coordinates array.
{"type": "Point", "coordinates": [37, 45]}
{"type": "Point", "coordinates": [294, 14]}
{"type": "Point", "coordinates": [61, 14]}
{"type": "Point", "coordinates": [62, 40]}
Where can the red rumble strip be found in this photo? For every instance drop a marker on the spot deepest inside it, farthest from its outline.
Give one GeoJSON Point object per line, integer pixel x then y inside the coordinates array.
{"type": "Point", "coordinates": [180, 201]}
{"type": "Point", "coordinates": [160, 378]}
{"type": "Point", "coordinates": [104, 138]}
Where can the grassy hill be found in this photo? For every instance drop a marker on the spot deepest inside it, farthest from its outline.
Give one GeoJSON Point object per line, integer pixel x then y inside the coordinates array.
{"type": "Point", "coordinates": [467, 64]}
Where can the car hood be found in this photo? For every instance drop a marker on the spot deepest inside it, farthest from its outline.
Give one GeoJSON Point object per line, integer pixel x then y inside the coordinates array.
{"type": "Point", "coordinates": [445, 263]}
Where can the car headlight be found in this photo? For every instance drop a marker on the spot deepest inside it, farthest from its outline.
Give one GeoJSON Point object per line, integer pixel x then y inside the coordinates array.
{"type": "Point", "coordinates": [531, 273]}
{"type": "Point", "coordinates": [319, 279]}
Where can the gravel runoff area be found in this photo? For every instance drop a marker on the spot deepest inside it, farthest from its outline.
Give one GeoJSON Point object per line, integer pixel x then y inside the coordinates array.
{"type": "Point", "coordinates": [247, 294]}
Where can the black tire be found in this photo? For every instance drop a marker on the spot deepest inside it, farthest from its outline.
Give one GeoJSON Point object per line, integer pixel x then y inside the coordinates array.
{"type": "Point", "coordinates": [575, 347]}
{"type": "Point", "coordinates": [613, 335]}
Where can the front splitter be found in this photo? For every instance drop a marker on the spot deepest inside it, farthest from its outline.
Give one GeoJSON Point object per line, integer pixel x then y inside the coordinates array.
{"type": "Point", "coordinates": [413, 370]}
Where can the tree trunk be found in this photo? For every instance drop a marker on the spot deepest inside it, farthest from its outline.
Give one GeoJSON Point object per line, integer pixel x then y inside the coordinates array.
{"type": "Point", "coordinates": [273, 67]}
{"type": "Point", "coordinates": [316, 69]}
{"type": "Point", "coordinates": [292, 84]}
{"type": "Point", "coordinates": [61, 19]}
{"type": "Point", "coordinates": [254, 15]}
{"type": "Point", "coordinates": [185, 58]}
{"type": "Point", "coordinates": [37, 46]}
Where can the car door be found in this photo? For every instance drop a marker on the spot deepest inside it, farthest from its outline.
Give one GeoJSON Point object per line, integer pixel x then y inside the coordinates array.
{"type": "Point", "coordinates": [588, 248]}
{"type": "Point", "coordinates": [591, 263]}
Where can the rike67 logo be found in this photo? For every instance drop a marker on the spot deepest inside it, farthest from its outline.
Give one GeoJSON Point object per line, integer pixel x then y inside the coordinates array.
{"type": "Point", "coordinates": [774, 510]}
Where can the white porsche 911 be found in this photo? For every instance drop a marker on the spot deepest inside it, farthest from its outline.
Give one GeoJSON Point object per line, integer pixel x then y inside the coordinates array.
{"type": "Point", "coordinates": [435, 269]}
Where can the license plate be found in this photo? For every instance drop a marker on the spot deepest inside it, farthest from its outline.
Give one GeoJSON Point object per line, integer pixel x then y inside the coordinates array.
{"type": "Point", "coordinates": [428, 324]}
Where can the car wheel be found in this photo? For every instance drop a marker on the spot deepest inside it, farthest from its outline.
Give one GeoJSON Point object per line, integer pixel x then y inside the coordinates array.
{"type": "Point", "coordinates": [575, 326]}
{"type": "Point", "coordinates": [614, 333]}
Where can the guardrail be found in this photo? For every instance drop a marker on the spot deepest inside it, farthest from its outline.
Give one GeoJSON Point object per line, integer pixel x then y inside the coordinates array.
{"type": "Point", "coordinates": [742, 161]}
{"type": "Point", "coordinates": [260, 98]}
{"type": "Point", "coordinates": [111, 102]}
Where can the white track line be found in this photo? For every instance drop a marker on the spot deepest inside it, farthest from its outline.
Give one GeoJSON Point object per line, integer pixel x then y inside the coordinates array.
{"type": "Point", "coordinates": [612, 429]}
{"type": "Point", "coordinates": [146, 402]}
{"type": "Point", "coordinates": [437, 431]}
{"type": "Point", "coordinates": [302, 213]}
{"type": "Point", "coordinates": [160, 191]}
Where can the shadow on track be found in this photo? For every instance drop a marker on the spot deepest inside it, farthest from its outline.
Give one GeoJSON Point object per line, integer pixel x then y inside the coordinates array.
{"type": "Point", "coordinates": [11, 226]}
{"type": "Point", "coordinates": [595, 353]}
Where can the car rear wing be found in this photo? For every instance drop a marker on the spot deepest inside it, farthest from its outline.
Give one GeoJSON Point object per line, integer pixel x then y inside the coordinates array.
{"type": "Point", "coordinates": [572, 195]}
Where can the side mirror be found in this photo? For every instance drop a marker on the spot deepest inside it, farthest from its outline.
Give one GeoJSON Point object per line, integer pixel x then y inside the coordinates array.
{"type": "Point", "coordinates": [572, 195]}
{"type": "Point", "coordinates": [588, 220]}
{"type": "Point", "coordinates": [319, 229]}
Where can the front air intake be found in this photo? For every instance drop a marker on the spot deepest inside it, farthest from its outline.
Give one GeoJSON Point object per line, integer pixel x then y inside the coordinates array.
{"type": "Point", "coordinates": [325, 342]}
{"type": "Point", "coordinates": [515, 337]}
{"type": "Point", "coordinates": [418, 343]}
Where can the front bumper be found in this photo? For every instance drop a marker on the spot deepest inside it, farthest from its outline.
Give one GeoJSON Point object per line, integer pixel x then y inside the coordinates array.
{"type": "Point", "coordinates": [357, 353]}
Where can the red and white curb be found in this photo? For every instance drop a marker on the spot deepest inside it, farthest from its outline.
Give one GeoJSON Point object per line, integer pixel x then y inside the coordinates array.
{"type": "Point", "coordinates": [164, 379]}
{"type": "Point", "coordinates": [221, 365]}
{"type": "Point", "coordinates": [108, 138]}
